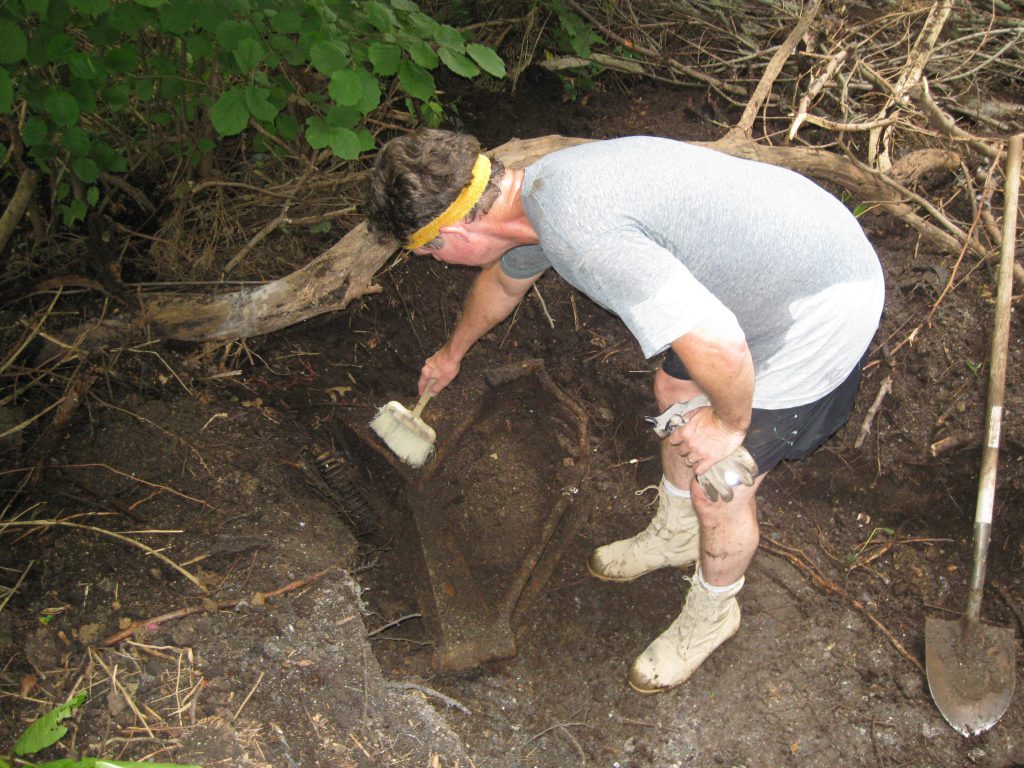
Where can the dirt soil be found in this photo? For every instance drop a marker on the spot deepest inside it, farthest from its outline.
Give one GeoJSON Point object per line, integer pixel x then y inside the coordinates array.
{"type": "Point", "coordinates": [297, 600]}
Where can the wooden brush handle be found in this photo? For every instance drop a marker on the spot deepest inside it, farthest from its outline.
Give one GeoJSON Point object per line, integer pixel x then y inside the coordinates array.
{"type": "Point", "coordinates": [424, 399]}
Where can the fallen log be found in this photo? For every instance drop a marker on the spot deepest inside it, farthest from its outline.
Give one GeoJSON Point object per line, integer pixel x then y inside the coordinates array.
{"type": "Point", "coordinates": [345, 272]}
{"type": "Point", "coordinates": [329, 283]}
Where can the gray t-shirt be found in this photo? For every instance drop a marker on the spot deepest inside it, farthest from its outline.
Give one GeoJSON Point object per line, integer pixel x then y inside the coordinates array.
{"type": "Point", "coordinates": [666, 235]}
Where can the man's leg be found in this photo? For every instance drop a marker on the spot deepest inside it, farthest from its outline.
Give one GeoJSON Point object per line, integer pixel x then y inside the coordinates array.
{"type": "Point", "coordinates": [728, 530]}
{"type": "Point", "coordinates": [670, 540]}
{"type": "Point", "coordinates": [728, 541]}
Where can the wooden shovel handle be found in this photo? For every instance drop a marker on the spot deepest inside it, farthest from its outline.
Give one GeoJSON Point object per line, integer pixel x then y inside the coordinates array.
{"type": "Point", "coordinates": [996, 381]}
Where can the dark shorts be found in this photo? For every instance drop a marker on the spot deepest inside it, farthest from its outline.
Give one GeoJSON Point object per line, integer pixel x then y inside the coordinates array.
{"type": "Point", "coordinates": [789, 433]}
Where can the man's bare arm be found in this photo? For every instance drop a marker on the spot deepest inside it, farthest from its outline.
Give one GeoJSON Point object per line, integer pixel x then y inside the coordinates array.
{"type": "Point", "coordinates": [718, 360]}
{"type": "Point", "coordinates": [492, 298]}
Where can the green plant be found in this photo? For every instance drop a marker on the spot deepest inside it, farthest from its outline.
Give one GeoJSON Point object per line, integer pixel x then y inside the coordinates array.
{"type": "Point", "coordinates": [48, 730]}
{"type": "Point", "coordinates": [574, 34]}
{"type": "Point", "coordinates": [88, 87]}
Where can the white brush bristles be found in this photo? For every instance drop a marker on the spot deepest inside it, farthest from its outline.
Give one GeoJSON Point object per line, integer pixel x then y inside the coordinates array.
{"type": "Point", "coordinates": [408, 437]}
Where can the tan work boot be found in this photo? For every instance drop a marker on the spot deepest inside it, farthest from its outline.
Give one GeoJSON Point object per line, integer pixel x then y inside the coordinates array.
{"type": "Point", "coordinates": [707, 620]}
{"type": "Point", "coordinates": [671, 539]}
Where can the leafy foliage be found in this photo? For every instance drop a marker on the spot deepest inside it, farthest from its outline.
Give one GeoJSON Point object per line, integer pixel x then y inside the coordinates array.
{"type": "Point", "coordinates": [83, 82]}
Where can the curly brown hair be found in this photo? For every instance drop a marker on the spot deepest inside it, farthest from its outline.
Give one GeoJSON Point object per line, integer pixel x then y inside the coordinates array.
{"type": "Point", "coordinates": [418, 175]}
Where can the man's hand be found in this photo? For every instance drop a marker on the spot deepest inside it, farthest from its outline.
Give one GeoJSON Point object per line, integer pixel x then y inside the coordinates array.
{"type": "Point", "coordinates": [441, 368]}
{"type": "Point", "coordinates": [738, 468]}
{"type": "Point", "coordinates": [704, 440]}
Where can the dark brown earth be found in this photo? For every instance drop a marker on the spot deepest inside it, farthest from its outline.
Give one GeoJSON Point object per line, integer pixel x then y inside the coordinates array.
{"type": "Point", "coordinates": [251, 469]}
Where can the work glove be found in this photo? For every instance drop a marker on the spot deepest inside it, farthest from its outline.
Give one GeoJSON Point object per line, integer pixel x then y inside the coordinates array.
{"type": "Point", "coordinates": [738, 468]}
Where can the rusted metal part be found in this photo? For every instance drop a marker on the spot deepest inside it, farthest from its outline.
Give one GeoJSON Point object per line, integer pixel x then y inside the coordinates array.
{"type": "Point", "coordinates": [485, 566]}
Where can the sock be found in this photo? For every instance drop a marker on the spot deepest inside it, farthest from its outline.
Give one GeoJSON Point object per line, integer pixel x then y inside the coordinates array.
{"type": "Point", "coordinates": [671, 490]}
{"type": "Point", "coordinates": [719, 590]}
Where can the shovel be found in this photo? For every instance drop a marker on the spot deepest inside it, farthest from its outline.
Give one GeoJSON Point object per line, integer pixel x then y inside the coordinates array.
{"type": "Point", "coordinates": [970, 665]}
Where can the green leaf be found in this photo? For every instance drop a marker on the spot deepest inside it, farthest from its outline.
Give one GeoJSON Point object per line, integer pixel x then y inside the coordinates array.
{"type": "Point", "coordinates": [152, 3]}
{"type": "Point", "coordinates": [230, 114]}
{"type": "Point", "coordinates": [38, 7]}
{"type": "Point", "coordinates": [230, 33]}
{"type": "Point", "coordinates": [35, 131]}
{"type": "Point", "coordinates": [13, 42]}
{"type": "Point", "coordinates": [422, 54]}
{"type": "Point", "coordinates": [76, 141]}
{"type": "Point", "coordinates": [60, 48]}
{"type": "Point", "coordinates": [210, 15]}
{"type": "Point", "coordinates": [122, 59]}
{"type": "Point", "coordinates": [385, 57]}
{"type": "Point", "coordinates": [416, 81]}
{"type": "Point", "coordinates": [145, 89]}
{"type": "Point", "coordinates": [249, 54]}
{"type": "Point", "coordinates": [47, 730]}
{"type": "Point", "coordinates": [371, 93]}
{"type": "Point", "coordinates": [43, 153]}
{"type": "Point", "coordinates": [342, 117]}
{"type": "Point", "coordinates": [62, 107]}
{"type": "Point", "coordinates": [258, 101]}
{"type": "Point", "coordinates": [200, 46]}
{"type": "Point", "coordinates": [92, 196]}
{"type": "Point", "coordinates": [287, 126]}
{"type": "Point", "coordinates": [85, 168]}
{"type": "Point", "coordinates": [6, 92]}
{"type": "Point", "coordinates": [287, 22]}
{"type": "Point", "coordinates": [318, 132]}
{"type": "Point", "coordinates": [404, 5]}
{"type": "Point", "coordinates": [344, 143]}
{"type": "Point", "coordinates": [84, 94]}
{"type": "Point", "coordinates": [128, 18]}
{"type": "Point", "coordinates": [346, 87]}
{"type": "Point", "coordinates": [117, 96]}
{"type": "Point", "coordinates": [294, 52]}
{"type": "Point", "coordinates": [367, 142]}
{"type": "Point", "coordinates": [102, 35]}
{"type": "Point", "coordinates": [178, 17]}
{"type": "Point", "coordinates": [58, 14]}
{"type": "Point", "coordinates": [421, 25]}
{"type": "Point", "coordinates": [329, 56]}
{"type": "Point", "coordinates": [459, 63]}
{"type": "Point", "coordinates": [449, 37]}
{"type": "Point", "coordinates": [86, 67]}
{"type": "Point", "coordinates": [489, 61]}
{"type": "Point", "coordinates": [380, 16]}
{"type": "Point", "coordinates": [91, 8]}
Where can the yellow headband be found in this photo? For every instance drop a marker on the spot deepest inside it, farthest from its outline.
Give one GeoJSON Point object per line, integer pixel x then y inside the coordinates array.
{"type": "Point", "coordinates": [458, 210]}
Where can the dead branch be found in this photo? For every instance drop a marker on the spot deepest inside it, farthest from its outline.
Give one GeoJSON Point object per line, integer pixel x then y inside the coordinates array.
{"type": "Point", "coordinates": [802, 563]}
{"type": "Point", "coordinates": [865, 427]}
{"type": "Point", "coordinates": [746, 123]}
{"type": "Point", "coordinates": [210, 606]}
{"type": "Point", "coordinates": [942, 121]}
{"type": "Point", "coordinates": [19, 204]}
{"type": "Point", "coordinates": [279, 220]}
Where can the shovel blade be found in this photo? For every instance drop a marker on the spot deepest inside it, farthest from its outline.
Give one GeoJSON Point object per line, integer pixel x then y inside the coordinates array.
{"type": "Point", "coordinates": [970, 670]}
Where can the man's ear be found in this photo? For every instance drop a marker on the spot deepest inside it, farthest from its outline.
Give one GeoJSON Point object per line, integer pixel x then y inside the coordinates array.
{"type": "Point", "coordinates": [458, 230]}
